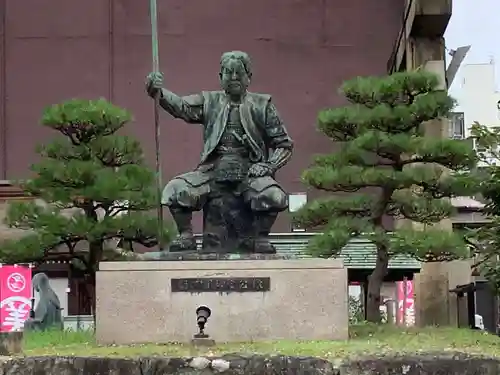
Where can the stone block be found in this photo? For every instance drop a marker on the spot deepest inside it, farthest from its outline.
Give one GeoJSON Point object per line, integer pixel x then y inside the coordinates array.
{"type": "Point", "coordinates": [250, 300]}
{"type": "Point", "coordinates": [250, 364]}
{"type": "Point", "coordinates": [11, 343]}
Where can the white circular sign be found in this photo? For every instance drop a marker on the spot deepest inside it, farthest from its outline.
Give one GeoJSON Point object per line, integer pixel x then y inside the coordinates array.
{"type": "Point", "coordinates": [16, 282]}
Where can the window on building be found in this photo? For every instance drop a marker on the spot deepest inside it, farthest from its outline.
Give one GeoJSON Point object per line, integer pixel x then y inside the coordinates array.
{"type": "Point", "coordinates": [457, 125]}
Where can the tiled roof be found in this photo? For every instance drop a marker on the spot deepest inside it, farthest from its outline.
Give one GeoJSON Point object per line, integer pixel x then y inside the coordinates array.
{"type": "Point", "coordinates": [358, 253]}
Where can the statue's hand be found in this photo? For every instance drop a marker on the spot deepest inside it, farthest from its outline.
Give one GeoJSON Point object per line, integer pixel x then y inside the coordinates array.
{"type": "Point", "coordinates": [154, 84]}
{"type": "Point", "coordinates": [260, 170]}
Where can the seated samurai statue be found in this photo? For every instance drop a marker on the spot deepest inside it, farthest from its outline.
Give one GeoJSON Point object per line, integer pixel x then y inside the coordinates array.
{"type": "Point", "coordinates": [48, 309]}
{"type": "Point", "coordinates": [245, 143]}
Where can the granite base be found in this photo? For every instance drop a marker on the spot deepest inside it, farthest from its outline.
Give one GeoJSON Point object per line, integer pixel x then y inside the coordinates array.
{"type": "Point", "coordinates": [250, 300]}
{"type": "Point", "coordinates": [196, 255]}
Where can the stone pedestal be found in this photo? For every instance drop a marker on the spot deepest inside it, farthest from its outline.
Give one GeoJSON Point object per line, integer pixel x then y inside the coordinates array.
{"type": "Point", "coordinates": [11, 343]}
{"type": "Point", "coordinates": [202, 342]}
{"type": "Point", "coordinates": [250, 300]}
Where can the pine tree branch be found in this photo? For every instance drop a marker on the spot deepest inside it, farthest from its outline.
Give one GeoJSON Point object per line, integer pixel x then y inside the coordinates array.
{"type": "Point", "coordinates": [347, 123]}
{"type": "Point", "coordinates": [429, 245]}
{"type": "Point", "coordinates": [396, 89]}
{"type": "Point", "coordinates": [449, 153]}
{"type": "Point", "coordinates": [351, 157]}
{"type": "Point", "coordinates": [349, 178]}
{"type": "Point", "coordinates": [421, 207]}
{"type": "Point", "coordinates": [451, 185]}
{"type": "Point", "coordinates": [320, 212]}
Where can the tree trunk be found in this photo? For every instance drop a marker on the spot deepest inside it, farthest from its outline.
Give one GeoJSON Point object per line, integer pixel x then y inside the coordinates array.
{"type": "Point", "coordinates": [95, 256]}
{"type": "Point", "coordinates": [375, 281]}
{"type": "Point", "coordinates": [91, 298]}
{"type": "Point", "coordinates": [87, 292]}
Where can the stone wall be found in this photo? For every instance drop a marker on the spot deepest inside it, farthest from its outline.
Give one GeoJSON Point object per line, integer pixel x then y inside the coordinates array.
{"type": "Point", "coordinates": [456, 364]}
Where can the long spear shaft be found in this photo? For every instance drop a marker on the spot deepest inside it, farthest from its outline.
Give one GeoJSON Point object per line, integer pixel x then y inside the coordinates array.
{"type": "Point", "coordinates": [156, 69]}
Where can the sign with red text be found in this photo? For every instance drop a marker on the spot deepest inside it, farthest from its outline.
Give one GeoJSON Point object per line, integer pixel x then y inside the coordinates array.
{"type": "Point", "coordinates": [15, 297]}
{"type": "Point", "coordinates": [406, 303]}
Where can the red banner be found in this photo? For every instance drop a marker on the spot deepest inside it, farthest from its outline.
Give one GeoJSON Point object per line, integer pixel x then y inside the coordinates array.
{"type": "Point", "coordinates": [406, 303]}
{"type": "Point", "coordinates": [15, 297]}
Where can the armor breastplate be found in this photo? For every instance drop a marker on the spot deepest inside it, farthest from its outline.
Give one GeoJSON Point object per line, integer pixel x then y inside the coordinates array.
{"type": "Point", "coordinates": [232, 151]}
{"type": "Point", "coordinates": [233, 138]}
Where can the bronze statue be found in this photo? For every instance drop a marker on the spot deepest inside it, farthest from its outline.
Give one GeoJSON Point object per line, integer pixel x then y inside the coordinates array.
{"type": "Point", "coordinates": [48, 310]}
{"type": "Point", "coordinates": [245, 143]}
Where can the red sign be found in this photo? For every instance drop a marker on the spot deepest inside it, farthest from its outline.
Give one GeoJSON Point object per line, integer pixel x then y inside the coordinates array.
{"type": "Point", "coordinates": [15, 297]}
{"type": "Point", "coordinates": [406, 303]}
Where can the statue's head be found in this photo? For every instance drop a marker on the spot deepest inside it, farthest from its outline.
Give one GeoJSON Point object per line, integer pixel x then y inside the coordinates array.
{"type": "Point", "coordinates": [235, 72]}
{"type": "Point", "coordinates": [40, 282]}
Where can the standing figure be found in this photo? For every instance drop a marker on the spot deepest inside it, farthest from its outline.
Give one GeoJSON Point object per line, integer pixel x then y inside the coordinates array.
{"type": "Point", "coordinates": [245, 143]}
{"type": "Point", "coordinates": [48, 310]}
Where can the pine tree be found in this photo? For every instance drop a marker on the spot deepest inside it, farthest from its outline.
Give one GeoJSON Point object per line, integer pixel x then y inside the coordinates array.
{"type": "Point", "coordinates": [91, 187]}
{"type": "Point", "coordinates": [391, 171]}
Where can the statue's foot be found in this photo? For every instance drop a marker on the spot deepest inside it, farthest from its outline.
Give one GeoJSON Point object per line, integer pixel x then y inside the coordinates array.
{"type": "Point", "coordinates": [263, 246]}
{"type": "Point", "coordinates": [246, 246]}
{"type": "Point", "coordinates": [211, 243]}
{"type": "Point", "coordinates": [183, 243]}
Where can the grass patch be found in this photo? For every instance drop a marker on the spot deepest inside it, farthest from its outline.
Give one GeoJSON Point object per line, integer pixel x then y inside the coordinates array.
{"type": "Point", "coordinates": [365, 339]}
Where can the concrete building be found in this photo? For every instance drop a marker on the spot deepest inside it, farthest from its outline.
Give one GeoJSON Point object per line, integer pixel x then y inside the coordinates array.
{"type": "Point", "coordinates": [421, 45]}
{"type": "Point", "coordinates": [477, 99]}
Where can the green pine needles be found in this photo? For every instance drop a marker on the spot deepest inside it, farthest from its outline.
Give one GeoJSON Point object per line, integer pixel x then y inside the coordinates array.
{"type": "Point", "coordinates": [391, 172]}
{"type": "Point", "coordinates": [92, 189]}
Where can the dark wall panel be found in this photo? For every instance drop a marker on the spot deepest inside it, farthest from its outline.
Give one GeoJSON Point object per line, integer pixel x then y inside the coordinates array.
{"type": "Point", "coordinates": [41, 72]}
{"type": "Point", "coordinates": [302, 50]}
{"type": "Point", "coordinates": [57, 18]}
{"type": "Point", "coordinates": [52, 53]}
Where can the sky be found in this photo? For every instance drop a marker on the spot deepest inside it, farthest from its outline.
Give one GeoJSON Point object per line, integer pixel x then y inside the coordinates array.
{"type": "Point", "coordinates": [473, 23]}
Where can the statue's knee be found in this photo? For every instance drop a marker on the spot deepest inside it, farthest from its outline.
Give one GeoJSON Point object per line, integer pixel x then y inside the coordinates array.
{"type": "Point", "coordinates": [174, 191]}
{"type": "Point", "coordinates": [270, 199]}
{"type": "Point", "coordinates": [179, 193]}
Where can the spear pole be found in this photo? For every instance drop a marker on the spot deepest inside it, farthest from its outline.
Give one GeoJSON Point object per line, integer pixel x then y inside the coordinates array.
{"type": "Point", "coordinates": [156, 69]}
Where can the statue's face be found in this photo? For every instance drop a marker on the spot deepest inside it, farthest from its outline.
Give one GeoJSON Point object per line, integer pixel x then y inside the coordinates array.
{"type": "Point", "coordinates": [234, 78]}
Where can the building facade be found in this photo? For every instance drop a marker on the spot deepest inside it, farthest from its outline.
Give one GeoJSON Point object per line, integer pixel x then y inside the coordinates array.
{"type": "Point", "coordinates": [477, 99]}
